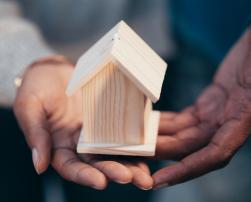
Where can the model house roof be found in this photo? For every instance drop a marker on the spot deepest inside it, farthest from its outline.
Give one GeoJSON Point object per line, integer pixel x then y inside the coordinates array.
{"type": "Point", "coordinates": [133, 56]}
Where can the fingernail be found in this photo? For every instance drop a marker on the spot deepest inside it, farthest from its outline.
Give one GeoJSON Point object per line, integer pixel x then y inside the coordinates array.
{"type": "Point", "coordinates": [97, 187]}
{"type": "Point", "coordinates": [122, 182]}
{"type": "Point", "coordinates": [145, 189]}
{"type": "Point", "coordinates": [165, 185]}
{"type": "Point", "coordinates": [35, 159]}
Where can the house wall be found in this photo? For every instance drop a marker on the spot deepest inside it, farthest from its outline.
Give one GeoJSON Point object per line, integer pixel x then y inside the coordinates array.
{"type": "Point", "coordinates": [148, 110]}
{"type": "Point", "coordinates": [113, 109]}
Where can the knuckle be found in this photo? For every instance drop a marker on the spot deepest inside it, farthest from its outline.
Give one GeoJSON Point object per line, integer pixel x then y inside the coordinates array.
{"type": "Point", "coordinates": [224, 161]}
{"type": "Point", "coordinates": [223, 154]}
{"type": "Point", "coordinates": [227, 155]}
{"type": "Point", "coordinates": [30, 131]}
{"type": "Point", "coordinates": [24, 102]}
{"type": "Point", "coordinates": [84, 173]}
{"type": "Point", "coordinates": [225, 158]}
{"type": "Point", "coordinates": [18, 104]}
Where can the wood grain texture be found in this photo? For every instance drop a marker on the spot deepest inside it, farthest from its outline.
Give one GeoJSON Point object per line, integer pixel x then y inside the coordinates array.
{"type": "Point", "coordinates": [145, 149]}
{"type": "Point", "coordinates": [119, 76]}
{"type": "Point", "coordinates": [147, 113]}
{"type": "Point", "coordinates": [137, 60]}
{"type": "Point", "coordinates": [113, 109]}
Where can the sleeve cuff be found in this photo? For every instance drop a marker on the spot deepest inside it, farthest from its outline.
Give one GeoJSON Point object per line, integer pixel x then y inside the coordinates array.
{"type": "Point", "coordinates": [21, 44]}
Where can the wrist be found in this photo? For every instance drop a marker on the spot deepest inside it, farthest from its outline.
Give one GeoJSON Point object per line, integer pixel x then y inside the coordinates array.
{"type": "Point", "coordinates": [55, 60]}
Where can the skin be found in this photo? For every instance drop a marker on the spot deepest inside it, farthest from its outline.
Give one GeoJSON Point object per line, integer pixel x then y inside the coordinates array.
{"type": "Point", "coordinates": [202, 138]}
{"type": "Point", "coordinates": [205, 136]}
{"type": "Point", "coordinates": [51, 123]}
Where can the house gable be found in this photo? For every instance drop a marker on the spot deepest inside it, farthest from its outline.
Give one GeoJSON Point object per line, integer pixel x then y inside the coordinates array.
{"type": "Point", "coordinates": [133, 56]}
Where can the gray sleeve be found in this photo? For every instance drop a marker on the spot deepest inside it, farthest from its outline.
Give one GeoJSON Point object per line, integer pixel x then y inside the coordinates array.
{"type": "Point", "coordinates": [20, 44]}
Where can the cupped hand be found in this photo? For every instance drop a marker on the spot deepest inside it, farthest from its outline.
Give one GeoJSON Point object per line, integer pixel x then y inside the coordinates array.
{"type": "Point", "coordinates": [205, 136]}
{"type": "Point", "coordinates": [51, 123]}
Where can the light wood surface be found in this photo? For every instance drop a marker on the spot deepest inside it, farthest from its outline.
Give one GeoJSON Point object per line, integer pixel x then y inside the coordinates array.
{"type": "Point", "coordinates": [136, 60]}
{"type": "Point", "coordinates": [113, 109]}
{"type": "Point", "coordinates": [139, 62]}
{"type": "Point", "coordinates": [145, 149]}
{"type": "Point", "coordinates": [119, 76]}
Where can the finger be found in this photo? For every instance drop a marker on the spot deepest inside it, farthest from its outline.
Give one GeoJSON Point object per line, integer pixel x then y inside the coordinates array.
{"type": "Point", "coordinates": [177, 122]}
{"type": "Point", "coordinates": [144, 167]}
{"type": "Point", "coordinates": [167, 115]}
{"type": "Point", "coordinates": [192, 166]}
{"type": "Point", "coordinates": [113, 170]}
{"type": "Point", "coordinates": [141, 179]}
{"type": "Point", "coordinates": [67, 164]}
{"type": "Point", "coordinates": [32, 120]}
{"type": "Point", "coordinates": [184, 142]}
{"type": "Point", "coordinates": [214, 156]}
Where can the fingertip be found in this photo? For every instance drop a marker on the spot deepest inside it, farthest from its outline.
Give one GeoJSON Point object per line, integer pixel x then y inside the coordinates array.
{"type": "Point", "coordinates": [101, 183]}
{"type": "Point", "coordinates": [40, 161]}
{"type": "Point", "coordinates": [115, 171]}
{"type": "Point", "coordinates": [162, 178]}
{"type": "Point", "coordinates": [120, 174]}
{"type": "Point", "coordinates": [141, 179]}
{"type": "Point", "coordinates": [144, 167]}
{"type": "Point", "coordinates": [145, 183]}
{"type": "Point", "coordinates": [93, 178]}
{"type": "Point", "coordinates": [157, 179]}
{"type": "Point", "coordinates": [164, 185]}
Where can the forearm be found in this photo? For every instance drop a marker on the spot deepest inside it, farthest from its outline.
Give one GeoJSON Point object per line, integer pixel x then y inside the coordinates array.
{"type": "Point", "coordinates": [21, 44]}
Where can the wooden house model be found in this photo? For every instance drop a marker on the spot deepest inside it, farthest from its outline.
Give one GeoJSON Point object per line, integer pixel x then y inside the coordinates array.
{"type": "Point", "coordinates": [119, 76]}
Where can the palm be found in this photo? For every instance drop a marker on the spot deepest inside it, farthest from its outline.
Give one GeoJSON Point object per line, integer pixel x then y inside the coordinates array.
{"type": "Point", "coordinates": [205, 136]}
{"type": "Point", "coordinates": [43, 90]}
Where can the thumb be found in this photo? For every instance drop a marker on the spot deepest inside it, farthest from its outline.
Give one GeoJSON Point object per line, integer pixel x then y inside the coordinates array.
{"type": "Point", "coordinates": [32, 119]}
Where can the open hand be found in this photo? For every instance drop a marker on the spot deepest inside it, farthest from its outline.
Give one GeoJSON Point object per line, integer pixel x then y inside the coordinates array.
{"type": "Point", "coordinates": [205, 136]}
{"type": "Point", "coordinates": [51, 123]}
